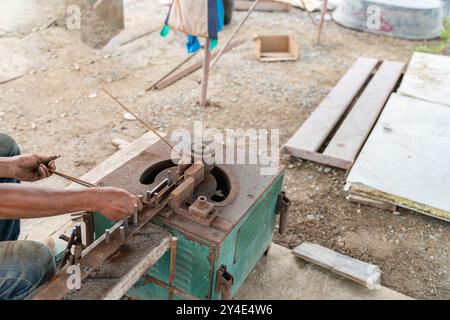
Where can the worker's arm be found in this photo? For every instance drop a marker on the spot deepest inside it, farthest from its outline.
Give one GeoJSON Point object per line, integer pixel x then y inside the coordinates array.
{"type": "Point", "coordinates": [28, 167]}
{"type": "Point", "coordinates": [23, 202]}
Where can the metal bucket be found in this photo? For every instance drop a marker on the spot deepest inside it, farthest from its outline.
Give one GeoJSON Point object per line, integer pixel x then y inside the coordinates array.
{"type": "Point", "coordinates": [408, 19]}
{"type": "Point", "coordinates": [446, 4]}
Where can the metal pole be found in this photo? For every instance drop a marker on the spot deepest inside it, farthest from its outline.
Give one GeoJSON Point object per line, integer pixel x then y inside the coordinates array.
{"type": "Point", "coordinates": [206, 66]}
{"type": "Point", "coordinates": [323, 11]}
{"type": "Point", "coordinates": [173, 259]}
{"type": "Point", "coordinates": [235, 32]}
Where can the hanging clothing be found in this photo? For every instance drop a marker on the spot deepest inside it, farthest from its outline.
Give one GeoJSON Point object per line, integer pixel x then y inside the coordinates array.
{"type": "Point", "coordinates": [196, 18]}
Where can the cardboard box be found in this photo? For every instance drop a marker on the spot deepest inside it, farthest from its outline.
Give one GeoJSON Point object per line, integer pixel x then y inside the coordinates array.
{"type": "Point", "coordinates": [276, 48]}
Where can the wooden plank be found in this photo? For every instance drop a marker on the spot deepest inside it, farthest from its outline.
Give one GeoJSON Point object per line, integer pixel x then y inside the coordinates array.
{"type": "Point", "coordinates": [315, 130]}
{"type": "Point", "coordinates": [371, 202]}
{"type": "Point", "coordinates": [353, 132]}
{"type": "Point", "coordinates": [361, 272]}
{"type": "Point", "coordinates": [268, 5]}
{"type": "Point", "coordinates": [94, 256]}
{"type": "Point", "coordinates": [180, 75]}
{"type": "Point", "coordinates": [282, 276]}
{"type": "Point", "coordinates": [357, 189]}
{"type": "Point", "coordinates": [119, 158]}
{"type": "Point", "coordinates": [119, 273]}
{"type": "Point", "coordinates": [405, 159]}
{"type": "Point", "coordinates": [318, 157]}
{"type": "Point", "coordinates": [427, 78]}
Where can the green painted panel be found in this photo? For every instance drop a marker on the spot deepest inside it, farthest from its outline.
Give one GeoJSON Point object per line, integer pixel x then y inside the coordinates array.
{"type": "Point", "coordinates": [250, 230]}
{"type": "Point", "coordinates": [192, 268]}
{"type": "Point", "coordinates": [144, 290]}
{"type": "Point", "coordinates": [263, 210]}
{"type": "Point", "coordinates": [101, 224]}
{"type": "Point", "coordinates": [239, 252]}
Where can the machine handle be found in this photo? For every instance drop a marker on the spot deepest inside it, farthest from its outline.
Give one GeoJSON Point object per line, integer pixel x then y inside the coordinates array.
{"type": "Point", "coordinates": [283, 205]}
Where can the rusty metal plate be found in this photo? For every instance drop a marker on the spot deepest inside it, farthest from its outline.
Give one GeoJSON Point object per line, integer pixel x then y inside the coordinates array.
{"type": "Point", "coordinates": [248, 185]}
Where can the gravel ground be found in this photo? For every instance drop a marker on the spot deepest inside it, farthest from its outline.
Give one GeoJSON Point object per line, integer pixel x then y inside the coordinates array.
{"type": "Point", "coordinates": [57, 107]}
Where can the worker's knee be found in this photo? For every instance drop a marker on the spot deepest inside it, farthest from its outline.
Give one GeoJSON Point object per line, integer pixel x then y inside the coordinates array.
{"type": "Point", "coordinates": [8, 147]}
{"type": "Point", "coordinates": [25, 266]}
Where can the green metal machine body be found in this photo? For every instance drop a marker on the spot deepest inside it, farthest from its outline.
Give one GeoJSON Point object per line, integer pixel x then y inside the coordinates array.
{"type": "Point", "coordinates": [212, 261]}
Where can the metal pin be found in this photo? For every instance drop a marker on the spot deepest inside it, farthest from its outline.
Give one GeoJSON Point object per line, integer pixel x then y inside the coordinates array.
{"type": "Point", "coordinates": [135, 215]}
{"type": "Point", "coordinates": [122, 232]}
{"type": "Point", "coordinates": [148, 195]}
{"type": "Point", "coordinates": [107, 235]}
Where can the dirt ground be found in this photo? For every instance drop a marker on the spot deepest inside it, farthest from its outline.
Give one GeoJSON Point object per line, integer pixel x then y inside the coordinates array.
{"type": "Point", "coordinates": [57, 107]}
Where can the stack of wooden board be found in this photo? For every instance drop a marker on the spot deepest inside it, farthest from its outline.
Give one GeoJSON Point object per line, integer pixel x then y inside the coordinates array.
{"type": "Point", "coordinates": [405, 161]}
{"type": "Point", "coordinates": [358, 97]}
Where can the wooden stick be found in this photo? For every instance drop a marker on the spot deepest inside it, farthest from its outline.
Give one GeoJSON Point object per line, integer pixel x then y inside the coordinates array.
{"type": "Point", "coordinates": [323, 11]}
{"type": "Point", "coordinates": [149, 128]}
{"type": "Point", "coordinates": [204, 85]}
{"type": "Point", "coordinates": [73, 179]}
{"type": "Point", "coordinates": [234, 33]}
{"type": "Point", "coordinates": [171, 71]}
{"type": "Point", "coordinates": [194, 67]}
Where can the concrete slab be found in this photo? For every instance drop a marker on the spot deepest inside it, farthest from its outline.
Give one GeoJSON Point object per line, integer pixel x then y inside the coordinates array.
{"type": "Point", "coordinates": [406, 157]}
{"type": "Point", "coordinates": [281, 276]}
{"type": "Point", "coordinates": [427, 78]}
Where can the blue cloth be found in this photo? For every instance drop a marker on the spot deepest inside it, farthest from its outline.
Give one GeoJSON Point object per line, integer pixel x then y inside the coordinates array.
{"type": "Point", "coordinates": [192, 44]}
{"type": "Point", "coordinates": [9, 229]}
{"type": "Point", "coordinates": [215, 25]}
{"type": "Point", "coordinates": [24, 265]}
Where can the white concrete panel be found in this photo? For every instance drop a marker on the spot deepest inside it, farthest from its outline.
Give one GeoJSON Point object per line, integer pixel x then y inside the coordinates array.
{"type": "Point", "coordinates": [428, 78]}
{"type": "Point", "coordinates": [408, 153]}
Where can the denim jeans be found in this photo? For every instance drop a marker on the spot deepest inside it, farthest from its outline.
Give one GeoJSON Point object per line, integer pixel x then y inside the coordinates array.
{"type": "Point", "coordinates": [24, 265]}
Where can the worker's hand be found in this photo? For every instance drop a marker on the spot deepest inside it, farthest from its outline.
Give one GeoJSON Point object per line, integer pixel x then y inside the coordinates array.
{"type": "Point", "coordinates": [32, 167]}
{"type": "Point", "coordinates": [115, 204]}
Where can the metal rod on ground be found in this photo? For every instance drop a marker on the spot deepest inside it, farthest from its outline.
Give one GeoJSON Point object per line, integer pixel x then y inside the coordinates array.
{"type": "Point", "coordinates": [309, 13]}
{"type": "Point", "coordinates": [323, 11]}
{"type": "Point", "coordinates": [239, 26]}
{"type": "Point", "coordinates": [171, 71]}
{"type": "Point", "coordinates": [73, 179]}
{"type": "Point", "coordinates": [149, 128]}
{"type": "Point", "coordinates": [206, 66]}
{"type": "Point", "coordinates": [139, 36]}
